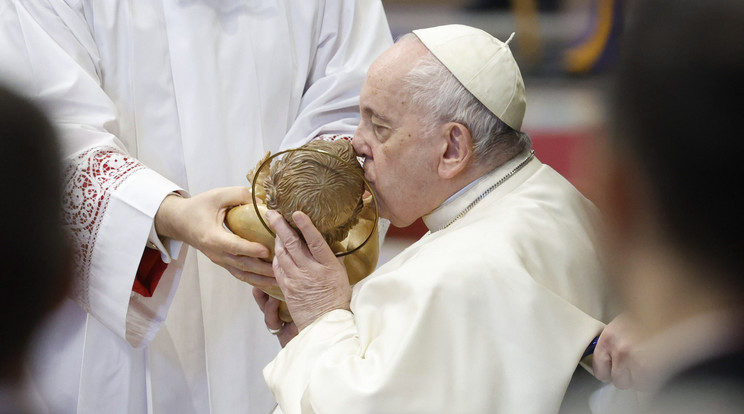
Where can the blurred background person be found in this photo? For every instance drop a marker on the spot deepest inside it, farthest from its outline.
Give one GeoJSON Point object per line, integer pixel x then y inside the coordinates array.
{"type": "Point", "coordinates": [667, 183]}
{"type": "Point", "coordinates": [35, 251]}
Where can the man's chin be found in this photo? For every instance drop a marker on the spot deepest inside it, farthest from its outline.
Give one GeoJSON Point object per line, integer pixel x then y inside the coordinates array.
{"type": "Point", "coordinates": [401, 224]}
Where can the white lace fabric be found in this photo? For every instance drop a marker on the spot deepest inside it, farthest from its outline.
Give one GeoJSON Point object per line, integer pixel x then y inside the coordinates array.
{"type": "Point", "coordinates": [89, 179]}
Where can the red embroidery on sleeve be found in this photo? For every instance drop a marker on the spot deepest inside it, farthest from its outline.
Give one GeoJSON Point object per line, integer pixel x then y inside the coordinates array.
{"type": "Point", "coordinates": [90, 178]}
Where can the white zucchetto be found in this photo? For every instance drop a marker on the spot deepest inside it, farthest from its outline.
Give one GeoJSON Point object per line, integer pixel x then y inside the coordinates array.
{"type": "Point", "coordinates": [483, 64]}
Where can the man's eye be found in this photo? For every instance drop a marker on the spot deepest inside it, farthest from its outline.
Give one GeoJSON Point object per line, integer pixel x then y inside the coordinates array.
{"type": "Point", "coordinates": [379, 130]}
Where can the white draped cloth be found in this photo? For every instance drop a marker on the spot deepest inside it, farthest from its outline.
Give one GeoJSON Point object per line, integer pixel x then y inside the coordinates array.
{"type": "Point", "coordinates": [488, 315]}
{"type": "Point", "coordinates": [156, 96]}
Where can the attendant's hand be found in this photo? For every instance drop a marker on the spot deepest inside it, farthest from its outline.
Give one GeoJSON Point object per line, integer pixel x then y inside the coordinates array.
{"type": "Point", "coordinates": [619, 358]}
{"type": "Point", "coordinates": [198, 221]}
{"type": "Point", "coordinates": [270, 308]}
{"type": "Point", "coordinates": [312, 278]}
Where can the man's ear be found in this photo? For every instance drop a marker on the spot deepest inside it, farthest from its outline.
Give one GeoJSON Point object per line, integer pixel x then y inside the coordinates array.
{"type": "Point", "coordinates": [457, 150]}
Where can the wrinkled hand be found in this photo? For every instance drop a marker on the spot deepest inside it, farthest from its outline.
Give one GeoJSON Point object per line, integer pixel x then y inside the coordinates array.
{"type": "Point", "coordinates": [312, 278]}
{"type": "Point", "coordinates": [619, 357]}
{"type": "Point", "coordinates": [198, 221]}
{"type": "Point", "coordinates": [270, 308]}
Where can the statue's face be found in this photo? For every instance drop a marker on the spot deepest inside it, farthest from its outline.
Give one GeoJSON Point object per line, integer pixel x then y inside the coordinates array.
{"type": "Point", "coordinates": [400, 163]}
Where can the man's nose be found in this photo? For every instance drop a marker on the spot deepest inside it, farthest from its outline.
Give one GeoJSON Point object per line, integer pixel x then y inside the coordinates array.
{"type": "Point", "coordinates": [358, 142]}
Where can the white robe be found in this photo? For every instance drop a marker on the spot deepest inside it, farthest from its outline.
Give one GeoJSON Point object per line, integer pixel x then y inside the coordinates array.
{"type": "Point", "coordinates": [155, 96]}
{"type": "Point", "coordinates": [490, 315]}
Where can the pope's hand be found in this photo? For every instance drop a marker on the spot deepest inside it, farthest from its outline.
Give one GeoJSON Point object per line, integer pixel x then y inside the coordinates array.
{"type": "Point", "coordinates": [198, 221]}
{"type": "Point", "coordinates": [285, 331]}
{"type": "Point", "coordinates": [312, 278]}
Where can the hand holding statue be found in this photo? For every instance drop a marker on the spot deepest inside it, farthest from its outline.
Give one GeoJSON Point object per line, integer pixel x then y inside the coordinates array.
{"type": "Point", "coordinates": [193, 221]}
{"type": "Point", "coordinates": [312, 278]}
{"type": "Point", "coordinates": [324, 180]}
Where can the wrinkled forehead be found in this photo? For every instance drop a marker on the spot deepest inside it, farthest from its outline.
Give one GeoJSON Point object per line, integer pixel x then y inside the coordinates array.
{"type": "Point", "coordinates": [387, 72]}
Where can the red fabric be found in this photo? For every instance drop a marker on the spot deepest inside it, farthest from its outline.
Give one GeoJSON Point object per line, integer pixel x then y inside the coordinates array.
{"type": "Point", "coordinates": [151, 268]}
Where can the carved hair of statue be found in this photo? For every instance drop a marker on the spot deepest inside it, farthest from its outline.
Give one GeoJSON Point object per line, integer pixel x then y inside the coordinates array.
{"type": "Point", "coordinates": [329, 191]}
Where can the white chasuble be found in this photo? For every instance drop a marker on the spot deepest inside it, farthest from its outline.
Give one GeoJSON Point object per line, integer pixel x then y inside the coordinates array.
{"type": "Point", "coordinates": [160, 96]}
{"type": "Point", "coordinates": [488, 315]}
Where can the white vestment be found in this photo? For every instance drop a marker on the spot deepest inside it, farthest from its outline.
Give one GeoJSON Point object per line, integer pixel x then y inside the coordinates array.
{"type": "Point", "coordinates": [488, 315]}
{"type": "Point", "coordinates": [156, 96]}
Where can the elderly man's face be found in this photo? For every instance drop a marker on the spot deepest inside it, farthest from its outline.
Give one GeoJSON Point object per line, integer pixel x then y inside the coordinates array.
{"type": "Point", "coordinates": [401, 162]}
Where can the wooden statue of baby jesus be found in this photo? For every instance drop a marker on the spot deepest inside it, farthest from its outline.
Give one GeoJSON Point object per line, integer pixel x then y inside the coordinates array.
{"type": "Point", "coordinates": [329, 190]}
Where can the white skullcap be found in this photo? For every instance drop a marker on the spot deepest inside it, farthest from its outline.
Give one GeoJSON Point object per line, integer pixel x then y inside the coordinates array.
{"type": "Point", "coordinates": [483, 64]}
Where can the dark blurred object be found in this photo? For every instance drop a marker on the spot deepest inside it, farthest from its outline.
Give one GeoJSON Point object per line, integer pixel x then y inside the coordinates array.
{"type": "Point", "coordinates": [481, 5]}
{"type": "Point", "coordinates": [528, 43]}
{"type": "Point", "coordinates": [597, 48]}
{"type": "Point", "coordinates": [34, 251]}
{"type": "Point", "coordinates": [668, 177]}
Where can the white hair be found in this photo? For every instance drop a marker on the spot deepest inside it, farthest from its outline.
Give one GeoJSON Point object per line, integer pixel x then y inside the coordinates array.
{"type": "Point", "coordinates": [437, 93]}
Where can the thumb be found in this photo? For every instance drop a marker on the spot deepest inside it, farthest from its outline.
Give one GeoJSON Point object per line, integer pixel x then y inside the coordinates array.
{"type": "Point", "coordinates": [234, 196]}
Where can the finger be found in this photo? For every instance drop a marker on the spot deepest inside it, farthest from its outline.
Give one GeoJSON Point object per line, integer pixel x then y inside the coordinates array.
{"type": "Point", "coordinates": [271, 314]}
{"type": "Point", "coordinates": [281, 260]}
{"type": "Point", "coordinates": [260, 297]}
{"type": "Point", "coordinates": [621, 378]}
{"type": "Point", "coordinates": [261, 282]}
{"type": "Point", "coordinates": [601, 366]}
{"type": "Point", "coordinates": [602, 361]}
{"type": "Point", "coordinates": [620, 370]}
{"type": "Point", "coordinates": [238, 246]}
{"type": "Point", "coordinates": [279, 225]}
{"type": "Point", "coordinates": [289, 238]}
{"type": "Point", "coordinates": [252, 265]}
{"type": "Point", "coordinates": [244, 264]}
{"type": "Point", "coordinates": [233, 196]}
{"type": "Point", "coordinates": [316, 244]}
{"type": "Point", "coordinates": [281, 250]}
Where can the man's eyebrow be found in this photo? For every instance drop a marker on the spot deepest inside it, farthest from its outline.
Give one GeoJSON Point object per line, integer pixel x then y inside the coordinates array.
{"type": "Point", "coordinates": [372, 113]}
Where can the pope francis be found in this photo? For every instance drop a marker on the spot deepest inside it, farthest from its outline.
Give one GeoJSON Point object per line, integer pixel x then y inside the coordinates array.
{"type": "Point", "coordinates": [490, 311]}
